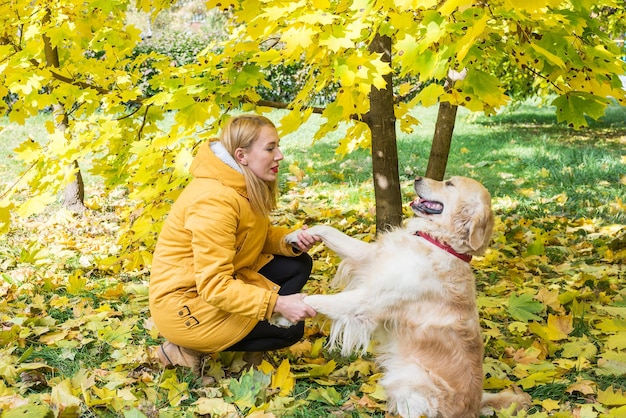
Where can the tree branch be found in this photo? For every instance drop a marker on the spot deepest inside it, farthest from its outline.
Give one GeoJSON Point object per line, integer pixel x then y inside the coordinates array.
{"type": "Point", "coordinates": [143, 123]}
{"type": "Point", "coordinates": [282, 105]}
{"type": "Point", "coordinates": [538, 74]}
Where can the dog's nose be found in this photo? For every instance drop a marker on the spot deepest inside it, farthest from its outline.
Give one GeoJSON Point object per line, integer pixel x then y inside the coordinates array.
{"type": "Point", "coordinates": [418, 179]}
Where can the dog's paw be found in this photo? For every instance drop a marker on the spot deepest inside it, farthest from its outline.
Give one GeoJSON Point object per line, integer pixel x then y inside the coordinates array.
{"type": "Point", "coordinates": [280, 321]}
{"type": "Point", "coordinates": [311, 301]}
{"type": "Point", "coordinates": [292, 237]}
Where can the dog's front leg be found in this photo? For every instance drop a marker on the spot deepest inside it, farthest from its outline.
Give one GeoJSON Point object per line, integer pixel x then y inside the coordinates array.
{"type": "Point", "coordinates": [344, 245]}
{"type": "Point", "coordinates": [353, 317]}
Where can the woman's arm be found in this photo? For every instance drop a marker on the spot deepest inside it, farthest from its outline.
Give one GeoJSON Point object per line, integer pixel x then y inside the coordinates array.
{"type": "Point", "coordinates": [293, 307]}
{"type": "Point", "coordinates": [276, 244]}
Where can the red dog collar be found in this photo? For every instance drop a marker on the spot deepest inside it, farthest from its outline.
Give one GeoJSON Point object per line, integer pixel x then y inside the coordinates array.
{"type": "Point", "coordinates": [465, 257]}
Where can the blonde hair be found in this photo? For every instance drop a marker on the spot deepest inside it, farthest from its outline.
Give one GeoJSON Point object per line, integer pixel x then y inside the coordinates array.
{"type": "Point", "coordinates": [241, 132]}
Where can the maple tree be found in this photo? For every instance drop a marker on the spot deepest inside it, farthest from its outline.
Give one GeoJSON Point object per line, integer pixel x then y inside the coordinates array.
{"type": "Point", "coordinates": [544, 47]}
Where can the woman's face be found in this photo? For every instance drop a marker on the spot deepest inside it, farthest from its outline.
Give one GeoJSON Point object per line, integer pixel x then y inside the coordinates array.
{"type": "Point", "coordinates": [263, 156]}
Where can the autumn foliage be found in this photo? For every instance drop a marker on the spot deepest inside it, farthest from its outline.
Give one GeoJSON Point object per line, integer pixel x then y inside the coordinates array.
{"type": "Point", "coordinates": [81, 57]}
{"type": "Point", "coordinates": [75, 331]}
{"type": "Point", "coordinates": [77, 337]}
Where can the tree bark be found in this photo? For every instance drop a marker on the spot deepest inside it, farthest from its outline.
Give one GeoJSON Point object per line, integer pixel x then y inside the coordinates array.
{"type": "Point", "coordinates": [442, 139]}
{"type": "Point", "coordinates": [444, 128]}
{"type": "Point", "coordinates": [382, 123]}
{"type": "Point", "coordinates": [74, 193]}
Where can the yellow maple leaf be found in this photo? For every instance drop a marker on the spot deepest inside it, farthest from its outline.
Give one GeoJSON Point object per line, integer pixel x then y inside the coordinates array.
{"type": "Point", "coordinates": [104, 396]}
{"type": "Point", "coordinates": [550, 404]}
{"type": "Point", "coordinates": [550, 298]}
{"type": "Point", "coordinates": [317, 347]}
{"type": "Point", "coordinates": [36, 204]}
{"type": "Point", "coordinates": [536, 379]}
{"type": "Point", "coordinates": [297, 37]}
{"type": "Point", "coordinates": [215, 407]}
{"type": "Point", "coordinates": [430, 94]}
{"type": "Point", "coordinates": [450, 6]}
{"type": "Point", "coordinates": [549, 55]}
{"type": "Point", "coordinates": [76, 283]}
{"type": "Point", "coordinates": [335, 39]}
{"type": "Point", "coordinates": [559, 327]}
{"type": "Point", "coordinates": [53, 337]}
{"type": "Point", "coordinates": [586, 387]}
{"type": "Point", "coordinates": [64, 398]}
{"type": "Point", "coordinates": [611, 396]}
{"type": "Point", "coordinates": [477, 29]}
{"type": "Point", "coordinates": [373, 388]}
{"type": "Point", "coordinates": [616, 341]}
{"type": "Point", "coordinates": [283, 379]}
{"type": "Point", "coordinates": [5, 217]}
{"type": "Point", "coordinates": [360, 367]}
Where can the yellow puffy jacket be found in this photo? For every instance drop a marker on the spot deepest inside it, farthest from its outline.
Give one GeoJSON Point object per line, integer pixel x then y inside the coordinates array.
{"type": "Point", "coordinates": [205, 290]}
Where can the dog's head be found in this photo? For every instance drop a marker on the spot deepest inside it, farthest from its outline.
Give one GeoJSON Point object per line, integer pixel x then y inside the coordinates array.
{"type": "Point", "coordinates": [457, 211]}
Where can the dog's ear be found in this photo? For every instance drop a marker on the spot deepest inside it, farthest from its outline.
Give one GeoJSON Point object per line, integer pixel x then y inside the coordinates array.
{"type": "Point", "coordinates": [480, 230]}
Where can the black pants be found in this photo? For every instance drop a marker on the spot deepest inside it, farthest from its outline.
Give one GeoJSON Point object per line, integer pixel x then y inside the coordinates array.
{"type": "Point", "coordinates": [291, 274]}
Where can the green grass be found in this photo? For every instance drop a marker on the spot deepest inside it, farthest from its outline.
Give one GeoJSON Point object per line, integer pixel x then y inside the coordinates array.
{"type": "Point", "coordinates": [11, 135]}
{"type": "Point", "coordinates": [523, 155]}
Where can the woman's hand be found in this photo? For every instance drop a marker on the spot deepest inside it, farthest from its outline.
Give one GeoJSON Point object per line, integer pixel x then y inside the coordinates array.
{"type": "Point", "coordinates": [306, 241]}
{"type": "Point", "coordinates": [293, 307]}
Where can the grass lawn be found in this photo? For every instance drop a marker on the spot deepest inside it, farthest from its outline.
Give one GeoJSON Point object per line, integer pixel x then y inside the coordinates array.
{"type": "Point", "coordinates": [77, 339]}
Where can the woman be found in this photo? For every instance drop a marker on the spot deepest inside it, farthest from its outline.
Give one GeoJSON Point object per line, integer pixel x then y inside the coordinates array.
{"type": "Point", "coordinates": [220, 269]}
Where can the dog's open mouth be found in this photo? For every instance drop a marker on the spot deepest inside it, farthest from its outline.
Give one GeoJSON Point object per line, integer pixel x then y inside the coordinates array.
{"type": "Point", "coordinates": [429, 207]}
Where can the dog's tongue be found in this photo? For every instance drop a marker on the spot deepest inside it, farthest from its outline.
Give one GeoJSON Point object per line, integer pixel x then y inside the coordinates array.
{"type": "Point", "coordinates": [427, 206]}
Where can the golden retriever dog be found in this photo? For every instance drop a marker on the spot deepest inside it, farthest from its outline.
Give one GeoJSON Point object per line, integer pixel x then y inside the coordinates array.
{"type": "Point", "coordinates": [412, 292]}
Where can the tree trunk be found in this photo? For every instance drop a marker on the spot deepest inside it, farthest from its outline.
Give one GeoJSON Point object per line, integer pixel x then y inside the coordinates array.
{"type": "Point", "coordinates": [74, 194]}
{"type": "Point", "coordinates": [442, 139]}
{"type": "Point", "coordinates": [382, 123]}
{"type": "Point", "coordinates": [444, 128]}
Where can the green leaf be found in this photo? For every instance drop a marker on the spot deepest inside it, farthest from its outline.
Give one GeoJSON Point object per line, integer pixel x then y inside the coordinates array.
{"type": "Point", "coordinates": [329, 396]}
{"type": "Point", "coordinates": [536, 248]}
{"type": "Point", "coordinates": [579, 347]}
{"type": "Point", "coordinates": [133, 413]}
{"type": "Point", "coordinates": [246, 390]}
{"type": "Point", "coordinates": [324, 370]}
{"type": "Point", "coordinates": [524, 307]}
{"type": "Point", "coordinates": [572, 108]}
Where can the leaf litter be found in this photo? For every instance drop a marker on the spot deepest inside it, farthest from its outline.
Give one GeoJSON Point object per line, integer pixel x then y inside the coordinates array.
{"type": "Point", "coordinates": [76, 337]}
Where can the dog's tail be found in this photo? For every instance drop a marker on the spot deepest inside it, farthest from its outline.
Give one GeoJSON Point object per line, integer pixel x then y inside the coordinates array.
{"type": "Point", "coordinates": [515, 399]}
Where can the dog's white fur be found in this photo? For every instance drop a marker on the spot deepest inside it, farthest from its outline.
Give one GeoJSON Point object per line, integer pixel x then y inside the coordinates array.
{"type": "Point", "coordinates": [417, 302]}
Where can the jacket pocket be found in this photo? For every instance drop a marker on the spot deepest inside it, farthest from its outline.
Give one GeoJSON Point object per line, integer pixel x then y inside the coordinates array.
{"type": "Point", "coordinates": [191, 322]}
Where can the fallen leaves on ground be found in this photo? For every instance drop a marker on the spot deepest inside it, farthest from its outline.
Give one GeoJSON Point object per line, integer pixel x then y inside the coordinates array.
{"type": "Point", "coordinates": [77, 339]}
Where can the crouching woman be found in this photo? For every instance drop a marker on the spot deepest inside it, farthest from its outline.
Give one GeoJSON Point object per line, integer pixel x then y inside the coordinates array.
{"type": "Point", "coordinates": [220, 269]}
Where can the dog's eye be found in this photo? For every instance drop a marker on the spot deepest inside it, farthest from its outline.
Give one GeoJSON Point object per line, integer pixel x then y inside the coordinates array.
{"type": "Point", "coordinates": [449, 183]}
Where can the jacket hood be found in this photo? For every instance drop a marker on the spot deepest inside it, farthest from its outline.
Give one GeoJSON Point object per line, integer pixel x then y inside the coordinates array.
{"type": "Point", "coordinates": [214, 162]}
